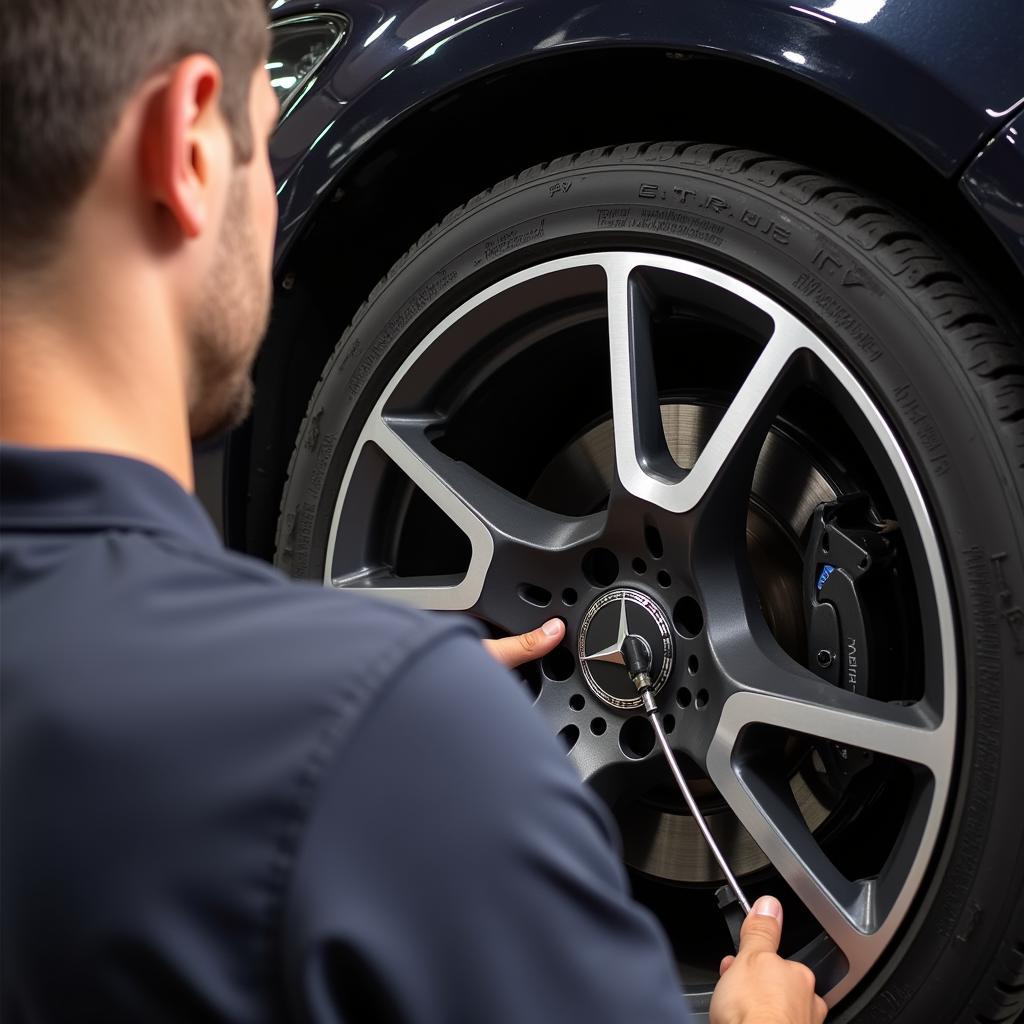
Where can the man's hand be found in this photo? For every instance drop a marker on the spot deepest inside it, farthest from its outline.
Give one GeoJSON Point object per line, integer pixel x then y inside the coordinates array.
{"type": "Point", "coordinates": [757, 986]}
{"type": "Point", "coordinates": [511, 651]}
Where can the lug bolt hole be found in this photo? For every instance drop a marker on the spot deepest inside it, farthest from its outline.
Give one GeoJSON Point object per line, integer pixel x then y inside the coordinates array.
{"type": "Point", "coordinates": [664, 580]}
{"type": "Point", "coordinates": [825, 658]}
{"type": "Point", "coordinates": [598, 726]}
{"type": "Point", "coordinates": [683, 697]}
{"type": "Point", "coordinates": [701, 700]}
{"type": "Point", "coordinates": [692, 664]}
{"type": "Point", "coordinates": [569, 596]}
{"type": "Point", "coordinates": [577, 702]}
{"type": "Point", "coordinates": [600, 567]}
{"type": "Point", "coordinates": [688, 617]}
{"type": "Point", "coordinates": [652, 538]}
{"type": "Point", "coordinates": [532, 594]}
{"type": "Point", "coordinates": [639, 566]}
{"type": "Point", "coordinates": [636, 737]}
{"type": "Point", "coordinates": [670, 723]}
{"type": "Point", "coordinates": [559, 664]}
{"type": "Point", "coordinates": [569, 735]}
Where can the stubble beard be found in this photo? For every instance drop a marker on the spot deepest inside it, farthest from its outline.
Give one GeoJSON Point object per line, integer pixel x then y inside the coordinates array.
{"type": "Point", "coordinates": [230, 322]}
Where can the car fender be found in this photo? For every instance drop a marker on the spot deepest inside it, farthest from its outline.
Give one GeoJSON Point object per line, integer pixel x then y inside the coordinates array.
{"type": "Point", "coordinates": [940, 82]}
{"type": "Point", "coordinates": [993, 183]}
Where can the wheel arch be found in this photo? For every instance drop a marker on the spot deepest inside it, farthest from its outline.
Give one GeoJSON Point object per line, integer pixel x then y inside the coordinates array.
{"type": "Point", "coordinates": [496, 125]}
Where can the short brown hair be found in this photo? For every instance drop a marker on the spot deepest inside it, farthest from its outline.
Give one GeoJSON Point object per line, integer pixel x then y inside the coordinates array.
{"type": "Point", "coordinates": [67, 67]}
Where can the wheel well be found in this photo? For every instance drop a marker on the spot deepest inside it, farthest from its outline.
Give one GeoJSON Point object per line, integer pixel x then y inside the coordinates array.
{"type": "Point", "coordinates": [498, 125]}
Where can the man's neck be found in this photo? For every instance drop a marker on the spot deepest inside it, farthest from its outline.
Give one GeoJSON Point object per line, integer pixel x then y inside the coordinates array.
{"type": "Point", "coordinates": [94, 371]}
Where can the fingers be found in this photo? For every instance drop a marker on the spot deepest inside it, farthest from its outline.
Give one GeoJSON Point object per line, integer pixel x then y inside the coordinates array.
{"type": "Point", "coordinates": [727, 962]}
{"type": "Point", "coordinates": [820, 1010]}
{"type": "Point", "coordinates": [762, 930]}
{"type": "Point", "coordinates": [511, 651]}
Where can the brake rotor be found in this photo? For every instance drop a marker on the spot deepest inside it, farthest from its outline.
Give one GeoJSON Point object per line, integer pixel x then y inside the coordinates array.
{"type": "Point", "coordinates": [787, 487]}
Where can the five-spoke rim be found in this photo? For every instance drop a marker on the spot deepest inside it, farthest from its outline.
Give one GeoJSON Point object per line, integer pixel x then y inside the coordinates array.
{"type": "Point", "coordinates": [753, 682]}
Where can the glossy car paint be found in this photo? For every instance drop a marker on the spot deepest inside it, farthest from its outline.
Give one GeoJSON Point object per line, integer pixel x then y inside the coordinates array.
{"type": "Point", "coordinates": [994, 182]}
{"type": "Point", "coordinates": [940, 75]}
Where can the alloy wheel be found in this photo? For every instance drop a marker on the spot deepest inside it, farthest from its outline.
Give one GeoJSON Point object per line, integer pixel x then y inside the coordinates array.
{"type": "Point", "coordinates": [707, 515]}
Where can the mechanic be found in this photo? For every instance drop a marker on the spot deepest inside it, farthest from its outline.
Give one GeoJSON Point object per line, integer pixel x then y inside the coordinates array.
{"type": "Point", "coordinates": [230, 797]}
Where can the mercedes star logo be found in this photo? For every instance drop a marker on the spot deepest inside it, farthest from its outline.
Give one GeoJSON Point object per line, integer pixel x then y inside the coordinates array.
{"type": "Point", "coordinates": [609, 620]}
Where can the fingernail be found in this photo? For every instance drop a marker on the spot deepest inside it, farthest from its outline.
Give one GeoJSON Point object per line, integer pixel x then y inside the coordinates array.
{"type": "Point", "coordinates": [552, 627]}
{"type": "Point", "coordinates": [768, 906]}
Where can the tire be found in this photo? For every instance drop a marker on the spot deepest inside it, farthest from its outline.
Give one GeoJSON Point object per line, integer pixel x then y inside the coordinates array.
{"type": "Point", "coordinates": [938, 359]}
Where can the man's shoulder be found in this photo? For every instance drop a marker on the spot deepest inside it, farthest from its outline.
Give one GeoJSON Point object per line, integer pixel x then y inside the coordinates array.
{"type": "Point", "coordinates": [172, 716]}
{"type": "Point", "coordinates": [148, 631]}
{"type": "Point", "coordinates": [241, 607]}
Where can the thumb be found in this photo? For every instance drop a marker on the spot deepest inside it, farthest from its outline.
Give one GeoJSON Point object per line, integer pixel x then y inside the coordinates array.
{"type": "Point", "coordinates": [762, 930]}
{"type": "Point", "coordinates": [511, 651]}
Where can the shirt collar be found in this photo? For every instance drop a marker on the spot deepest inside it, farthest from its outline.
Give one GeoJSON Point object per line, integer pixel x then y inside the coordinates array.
{"type": "Point", "coordinates": [49, 490]}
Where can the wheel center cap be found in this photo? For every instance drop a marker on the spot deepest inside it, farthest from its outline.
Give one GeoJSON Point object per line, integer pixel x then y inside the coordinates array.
{"type": "Point", "coordinates": [615, 615]}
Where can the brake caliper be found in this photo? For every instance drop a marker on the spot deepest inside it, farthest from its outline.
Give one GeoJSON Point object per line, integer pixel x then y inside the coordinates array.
{"type": "Point", "coordinates": [847, 555]}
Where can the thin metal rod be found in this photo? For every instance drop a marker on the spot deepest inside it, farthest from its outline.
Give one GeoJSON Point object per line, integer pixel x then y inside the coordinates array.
{"type": "Point", "coordinates": [695, 811]}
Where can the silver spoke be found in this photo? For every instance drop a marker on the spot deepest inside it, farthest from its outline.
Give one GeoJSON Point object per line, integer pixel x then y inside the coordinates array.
{"type": "Point", "coordinates": [772, 689]}
{"type": "Point", "coordinates": [442, 595]}
{"type": "Point", "coordinates": [849, 720]}
{"type": "Point", "coordinates": [434, 593]}
{"type": "Point", "coordinates": [459, 489]}
{"type": "Point", "coordinates": [738, 419]}
{"type": "Point", "coordinates": [489, 516]}
{"type": "Point", "coordinates": [641, 455]}
{"type": "Point", "coordinates": [844, 909]}
{"type": "Point", "coordinates": [800, 701]}
{"type": "Point", "coordinates": [641, 464]}
{"type": "Point", "coordinates": [850, 912]}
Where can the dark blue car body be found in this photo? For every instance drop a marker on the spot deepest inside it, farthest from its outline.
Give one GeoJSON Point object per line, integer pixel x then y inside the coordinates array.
{"type": "Point", "coordinates": [425, 102]}
{"type": "Point", "coordinates": [943, 76]}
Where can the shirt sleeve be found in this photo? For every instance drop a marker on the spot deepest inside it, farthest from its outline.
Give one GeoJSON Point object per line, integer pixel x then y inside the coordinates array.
{"type": "Point", "coordinates": [455, 869]}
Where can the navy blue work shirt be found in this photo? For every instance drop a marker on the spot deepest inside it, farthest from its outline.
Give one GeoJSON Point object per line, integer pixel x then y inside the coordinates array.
{"type": "Point", "coordinates": [231, 797]}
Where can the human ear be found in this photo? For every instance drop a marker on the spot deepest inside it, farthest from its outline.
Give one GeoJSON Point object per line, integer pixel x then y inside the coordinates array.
{"type": "Point", "coordinates": [186, 151]}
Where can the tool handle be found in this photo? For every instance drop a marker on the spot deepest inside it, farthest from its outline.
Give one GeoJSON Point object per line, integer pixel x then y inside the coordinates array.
{"type": "Point", "coordinates": [729, 905]}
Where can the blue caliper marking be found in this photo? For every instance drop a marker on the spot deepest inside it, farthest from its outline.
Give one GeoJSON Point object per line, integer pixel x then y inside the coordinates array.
{"type": "Point", "coordinates": [825, 573]}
